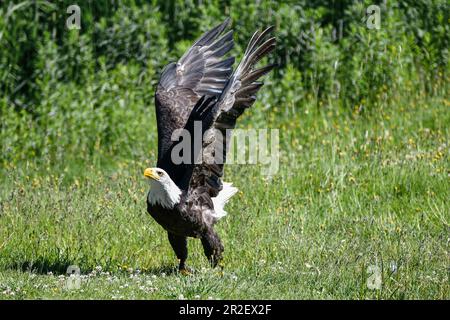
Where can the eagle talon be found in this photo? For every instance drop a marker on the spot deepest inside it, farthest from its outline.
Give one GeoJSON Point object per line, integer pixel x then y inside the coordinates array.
{"type": "Point", "coordinates": [185, 272]}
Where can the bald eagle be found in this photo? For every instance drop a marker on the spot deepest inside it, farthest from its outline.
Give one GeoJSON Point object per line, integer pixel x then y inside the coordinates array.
{"type": "Point", "coordinates": [188, 198]}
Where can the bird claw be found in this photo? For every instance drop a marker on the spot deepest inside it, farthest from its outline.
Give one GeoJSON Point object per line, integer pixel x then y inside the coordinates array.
{"type": "Point", "coordinates": [185, 272]}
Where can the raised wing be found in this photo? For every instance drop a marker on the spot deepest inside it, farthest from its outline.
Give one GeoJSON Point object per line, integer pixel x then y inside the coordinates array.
{"type": "Point", "coordinates": [201, 71]}
{"type": "Point", "coordinates": [238, 95]}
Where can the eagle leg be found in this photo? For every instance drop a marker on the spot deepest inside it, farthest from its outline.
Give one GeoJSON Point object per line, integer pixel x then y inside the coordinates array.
{"type": "Point", "coordinates": [179, 245]}
{"type": "Point", "coordinates": [212, 247]}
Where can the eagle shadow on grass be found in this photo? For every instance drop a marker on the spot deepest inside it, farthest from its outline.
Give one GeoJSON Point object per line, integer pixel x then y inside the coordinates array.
{"type": "Point", "coordinates": [42, 266]}
{"type": "Point", "coordinates": [45, 266]}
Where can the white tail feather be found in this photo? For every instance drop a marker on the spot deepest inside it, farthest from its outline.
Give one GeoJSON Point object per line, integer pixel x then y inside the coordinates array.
{"type": "Point", "coordinates": [222, 198]}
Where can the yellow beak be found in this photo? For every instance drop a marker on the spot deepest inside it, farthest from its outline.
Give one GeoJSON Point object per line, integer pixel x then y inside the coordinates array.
{"type": "Point", "coordinates": [150, 173]}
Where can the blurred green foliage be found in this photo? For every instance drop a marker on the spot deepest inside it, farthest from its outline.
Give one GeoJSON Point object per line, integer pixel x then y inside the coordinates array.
{"type": "Point", "coordinates": [87, 93]}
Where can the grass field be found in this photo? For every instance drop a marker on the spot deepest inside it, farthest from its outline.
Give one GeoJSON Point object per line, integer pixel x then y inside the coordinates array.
{"type": "Point", "coordinates": [354, 195]}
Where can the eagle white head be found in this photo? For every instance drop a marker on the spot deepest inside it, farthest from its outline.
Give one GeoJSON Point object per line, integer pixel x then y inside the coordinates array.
{"type": "Point", "coordinates": [163, 190]}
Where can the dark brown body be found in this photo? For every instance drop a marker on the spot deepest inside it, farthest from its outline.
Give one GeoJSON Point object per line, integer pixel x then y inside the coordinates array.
{"type": "Point", "coordinates": [177, 220]}
{"type": "Point", "coordinates": [189, 218]}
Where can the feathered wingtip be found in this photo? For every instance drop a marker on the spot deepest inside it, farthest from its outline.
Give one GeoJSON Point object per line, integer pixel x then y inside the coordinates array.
{"type": "Point", "coordinates": [213, 33]}
{"type": "Point", "coordinates": [257, 37]}
{"type": "Point", "coordinates": [208, 55]}
{"type": "Point", "coordinates": [257, 48]}
{"type": "Point", "coordinates": [240, 92]}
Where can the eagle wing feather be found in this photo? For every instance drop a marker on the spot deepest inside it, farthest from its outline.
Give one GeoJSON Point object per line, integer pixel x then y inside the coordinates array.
{"type": "Point", "coordinates": [200, 71]}
{"type": "Point", "coordinates": [238, 95]}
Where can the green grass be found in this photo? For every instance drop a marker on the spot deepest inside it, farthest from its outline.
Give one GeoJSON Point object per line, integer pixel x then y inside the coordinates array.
{"type": "Point", "coordinates": [353, 191]}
